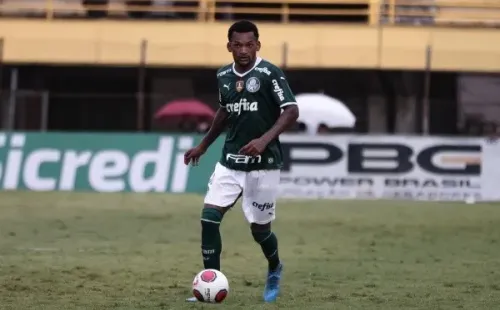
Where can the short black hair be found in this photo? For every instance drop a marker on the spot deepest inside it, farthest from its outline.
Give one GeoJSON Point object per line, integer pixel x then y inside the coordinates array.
{"type": "Point", "coordinates": [243, 26]}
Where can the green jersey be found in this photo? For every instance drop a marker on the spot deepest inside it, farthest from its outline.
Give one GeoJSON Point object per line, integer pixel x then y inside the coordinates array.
{"type": "Point", "coordinates": [254, 100]}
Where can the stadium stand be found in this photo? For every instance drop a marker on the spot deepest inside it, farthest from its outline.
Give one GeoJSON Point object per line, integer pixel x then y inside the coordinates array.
{"type": "Point", "coordinates": [414, 12]}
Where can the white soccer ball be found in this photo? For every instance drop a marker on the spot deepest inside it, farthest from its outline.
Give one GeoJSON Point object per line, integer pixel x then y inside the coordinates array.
{"type": "Point", "coordinates": [210, 286]}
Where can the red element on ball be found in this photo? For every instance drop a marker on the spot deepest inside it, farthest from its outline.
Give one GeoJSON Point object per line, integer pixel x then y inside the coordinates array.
{"type": "Point", "coordinates": [198, 295]}
{"type": "Point", "coordinates": [208, 276]}
{"type": "Point", "coordinates": [221, 295]}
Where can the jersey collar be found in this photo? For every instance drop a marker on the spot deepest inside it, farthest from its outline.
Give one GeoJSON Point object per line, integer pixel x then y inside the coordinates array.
{"type": "Point", "coordinates": [257, 62]}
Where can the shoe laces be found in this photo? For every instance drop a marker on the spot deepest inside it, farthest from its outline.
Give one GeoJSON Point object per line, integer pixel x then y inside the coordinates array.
{"type": "Point", "coordinates": [273, 278]}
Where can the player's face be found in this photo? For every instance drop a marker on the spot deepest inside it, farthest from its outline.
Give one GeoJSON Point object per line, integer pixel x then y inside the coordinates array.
{"type": "Point", "coordinates": [244, 47]}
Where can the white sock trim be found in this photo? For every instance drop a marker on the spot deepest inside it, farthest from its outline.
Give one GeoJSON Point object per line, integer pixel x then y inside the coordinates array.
{"type": "Point", "coordinates": [273, 254]}
{"type": "Point", "coordinates": [209, 221]}
{"type": "Point", "coordinates": [270, 234]}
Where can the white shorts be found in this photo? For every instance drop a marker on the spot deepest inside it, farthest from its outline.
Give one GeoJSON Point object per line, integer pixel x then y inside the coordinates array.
{"type": "Point", "coordinates": [259, 190]}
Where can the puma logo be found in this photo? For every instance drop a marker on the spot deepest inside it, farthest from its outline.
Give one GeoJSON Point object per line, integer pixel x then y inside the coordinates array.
{"type": "Point", "coordinates": [227, 86]}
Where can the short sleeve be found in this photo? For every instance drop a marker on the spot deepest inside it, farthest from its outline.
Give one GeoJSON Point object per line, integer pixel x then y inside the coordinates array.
{"type": "Point", "coordinates": [282, 93]}
{"type": "Point", "coordinates": [221, 101]}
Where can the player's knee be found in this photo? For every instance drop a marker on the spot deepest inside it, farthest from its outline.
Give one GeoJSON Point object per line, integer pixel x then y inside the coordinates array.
{"type": "Point", "coordinates": [261, 232]}
{"type": "Point", "coordinates": [211, 216]}
{"type": "Point", "coordinates": [260, 227]}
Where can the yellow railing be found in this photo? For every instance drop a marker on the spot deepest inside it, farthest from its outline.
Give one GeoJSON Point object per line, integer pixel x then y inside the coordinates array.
{"type": "Point", "coordinates": [412, 12]}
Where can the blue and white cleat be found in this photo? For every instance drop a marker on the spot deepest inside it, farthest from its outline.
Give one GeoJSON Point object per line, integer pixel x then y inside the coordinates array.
{"type": "Point", "coordinates": [191, 299]}
{"type": "Point", "coordinates": [272, 289]}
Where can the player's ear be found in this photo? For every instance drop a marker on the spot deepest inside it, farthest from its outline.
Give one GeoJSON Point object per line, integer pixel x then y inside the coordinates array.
{"type": "Point", "coordinates": [258, 46]}
{"type": "Point", "coordinates": [229, 47]}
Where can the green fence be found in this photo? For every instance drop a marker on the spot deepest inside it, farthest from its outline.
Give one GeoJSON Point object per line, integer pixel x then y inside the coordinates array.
{"type": "Point", "coordinates": [102, 162]}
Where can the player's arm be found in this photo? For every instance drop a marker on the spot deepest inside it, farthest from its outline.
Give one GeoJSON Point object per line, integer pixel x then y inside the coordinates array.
{"type": "Point", "coordinates": [284, 98]}
{"type": "Point", "coordinates": [287, 118]}
{"type": "Point", "coordinates": [218, 125]}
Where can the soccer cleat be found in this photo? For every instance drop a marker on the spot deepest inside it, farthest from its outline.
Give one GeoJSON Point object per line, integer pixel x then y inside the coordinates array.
{"type": "Point", "coordinates": [272, 289]}
{"type": "Point", "coordinates": [191, 299]}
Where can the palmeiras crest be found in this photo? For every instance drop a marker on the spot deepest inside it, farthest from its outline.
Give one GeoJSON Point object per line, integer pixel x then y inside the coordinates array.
{"type": "Point", "coordinates": [253, 84]}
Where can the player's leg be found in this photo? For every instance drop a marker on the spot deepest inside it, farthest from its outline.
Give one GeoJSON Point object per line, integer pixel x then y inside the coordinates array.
{"type": "Point", "coordinates": [266, 238]}
{"type": "Point", "coordinates": [223, 191]}
{"type": "Point", "coordinates": [268, 242]}
{"type": "Point", "coordinates": [259, 206]}
{"type": "Point", "coordinates": [211, 241]}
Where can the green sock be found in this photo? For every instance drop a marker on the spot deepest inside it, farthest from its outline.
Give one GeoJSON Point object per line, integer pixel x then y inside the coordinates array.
{"type": "Point", "coordinates": [269, 244]}
{"type": "Point", "coordinates": [211, 242]}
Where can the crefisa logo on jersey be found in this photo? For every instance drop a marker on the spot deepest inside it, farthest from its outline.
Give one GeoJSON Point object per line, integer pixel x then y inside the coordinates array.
{"type": "Point", "coordinates": [253, 84]}
{"type": "Point", "coordinates": [278, 90]}
{"type": "Point", "coordinates": [243, 105]}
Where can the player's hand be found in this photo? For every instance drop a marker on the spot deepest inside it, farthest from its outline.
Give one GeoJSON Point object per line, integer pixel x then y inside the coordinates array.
{"type": "Point", "coordinates": [253, 148]}
{"type": "Point", "coordinates": [193, 155]}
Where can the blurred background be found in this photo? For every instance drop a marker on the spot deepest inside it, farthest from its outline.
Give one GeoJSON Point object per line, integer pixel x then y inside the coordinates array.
{"type": "Point", "coordinates": [399, 66]}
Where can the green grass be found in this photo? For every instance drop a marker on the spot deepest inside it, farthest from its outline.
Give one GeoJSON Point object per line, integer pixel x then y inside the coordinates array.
{"type": "Point", "coordinates": [124, 251]}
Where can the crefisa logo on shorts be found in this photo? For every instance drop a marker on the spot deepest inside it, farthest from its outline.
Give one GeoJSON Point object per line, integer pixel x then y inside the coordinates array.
{"type": "Point", "coordinates": [262, 207]}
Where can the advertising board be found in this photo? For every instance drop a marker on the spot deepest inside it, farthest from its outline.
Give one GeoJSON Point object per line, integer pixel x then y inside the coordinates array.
{"type": "Point", "coordinates": [336, 166]}
{"type": "Point", "coordinates": [100, 162]}
{"type": "Point", "coordinates": [390, 167]}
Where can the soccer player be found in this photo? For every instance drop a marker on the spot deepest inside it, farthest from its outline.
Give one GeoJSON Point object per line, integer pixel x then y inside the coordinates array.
{"type": "Point", "coordinates": [252, 93]}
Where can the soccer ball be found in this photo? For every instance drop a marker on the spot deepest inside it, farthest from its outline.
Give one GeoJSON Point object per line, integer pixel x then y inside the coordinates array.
{"type": "Point", "coordinates": [210, 286]}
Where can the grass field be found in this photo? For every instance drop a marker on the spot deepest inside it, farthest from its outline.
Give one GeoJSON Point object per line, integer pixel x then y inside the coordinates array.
{"type": "Point", "coordinates": [125, 251]}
